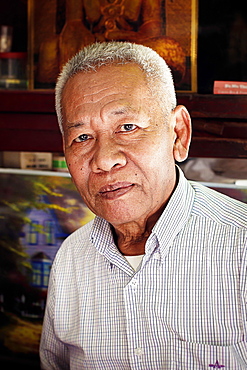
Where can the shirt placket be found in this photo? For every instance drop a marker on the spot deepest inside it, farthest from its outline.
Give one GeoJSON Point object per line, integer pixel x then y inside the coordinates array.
{"type": "Point", "coordinates": [137, 322]}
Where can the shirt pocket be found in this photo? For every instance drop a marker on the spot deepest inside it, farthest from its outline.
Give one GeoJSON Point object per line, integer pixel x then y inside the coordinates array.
{"type": "Point", "coordinates": [186, 355]}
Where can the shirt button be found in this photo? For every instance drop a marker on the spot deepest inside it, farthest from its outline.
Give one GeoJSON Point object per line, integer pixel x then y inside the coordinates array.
{"type": "Point", "coordinates": [134, 284]}
{"type": "Point", "coordinates": [139, 351]}
{"type": "Point", "coordinates": [157, 256]}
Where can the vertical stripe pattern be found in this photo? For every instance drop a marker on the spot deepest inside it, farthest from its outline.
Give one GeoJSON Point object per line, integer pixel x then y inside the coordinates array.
{"type": "Point", "coordinates": [184, 308]}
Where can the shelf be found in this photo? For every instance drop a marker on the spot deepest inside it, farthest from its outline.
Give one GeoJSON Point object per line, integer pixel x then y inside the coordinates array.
{"type": "Point", "coordinates": [19, 171]}
{"type": "Point", "coordinates": [28, 123]}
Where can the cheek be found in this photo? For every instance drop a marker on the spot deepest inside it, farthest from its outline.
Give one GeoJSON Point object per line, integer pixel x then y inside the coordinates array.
{"type": "Point", "coordinates": [74, 161]}
{"type": "Point", "coordinates": [157, 155]}
{"type": "Point", "coordinates": [79, 173]}
{"type": "Point", "coordinates": [158, 167]}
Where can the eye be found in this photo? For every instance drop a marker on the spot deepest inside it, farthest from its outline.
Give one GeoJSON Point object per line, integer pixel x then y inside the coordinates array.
{"type": "Point", "coordinates": [83, 137]}
{"type": "Point", "coordinates": [127, 127]}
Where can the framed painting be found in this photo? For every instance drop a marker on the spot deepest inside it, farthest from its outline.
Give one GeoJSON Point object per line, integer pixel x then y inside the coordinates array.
{"type": "Point", "coordinates": [60, 28]}
{"type": "Point", "coordinates": [39, 210]}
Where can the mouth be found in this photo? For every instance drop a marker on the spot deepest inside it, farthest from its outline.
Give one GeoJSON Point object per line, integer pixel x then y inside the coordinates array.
{"type": "Point", "coordinates": [116, 190]}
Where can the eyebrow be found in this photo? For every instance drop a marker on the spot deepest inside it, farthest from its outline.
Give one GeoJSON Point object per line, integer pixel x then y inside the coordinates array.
{"type": "Point", "coordinates": [75, 125]}
{"type": "Point", "coordinates": [123, 110]}
{"type": "Point", "coordinates": [120, 111]}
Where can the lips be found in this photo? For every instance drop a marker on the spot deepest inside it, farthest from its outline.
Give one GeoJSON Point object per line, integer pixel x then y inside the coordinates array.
{"type": "Point", "coordinates": [113, 191]}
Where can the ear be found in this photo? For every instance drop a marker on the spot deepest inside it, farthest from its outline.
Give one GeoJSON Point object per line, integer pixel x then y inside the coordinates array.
{"type": "Point", "coordinates": [182, 130]}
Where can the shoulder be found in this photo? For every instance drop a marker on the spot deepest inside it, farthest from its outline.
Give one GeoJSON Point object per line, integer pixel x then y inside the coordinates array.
{"type": "Point", "coordinates": [218, 207]}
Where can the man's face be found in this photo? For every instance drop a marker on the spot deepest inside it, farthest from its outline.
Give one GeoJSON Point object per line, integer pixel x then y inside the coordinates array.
{"type": "Point", "coordinates": [117, 146]}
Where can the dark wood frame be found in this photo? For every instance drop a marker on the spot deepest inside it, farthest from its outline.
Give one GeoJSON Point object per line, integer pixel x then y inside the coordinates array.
{"type": "Point", "coordinates": [28, 123]}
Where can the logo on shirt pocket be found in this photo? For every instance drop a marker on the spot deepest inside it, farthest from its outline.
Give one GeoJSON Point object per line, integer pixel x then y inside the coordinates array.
{"type": "Point", "coordinates": [216, 365]}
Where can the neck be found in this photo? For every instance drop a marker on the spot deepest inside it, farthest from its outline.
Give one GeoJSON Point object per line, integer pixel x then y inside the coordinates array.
{"type": "Point", "coordinates": [131, 237]}
{"type": "Point", "coordinates": [130, 243]}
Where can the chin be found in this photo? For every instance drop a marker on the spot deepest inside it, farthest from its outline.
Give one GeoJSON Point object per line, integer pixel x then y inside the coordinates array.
{"type": "Point", "coordinates": [120, 217]}
{"type": "Point", "coordinates": [117, 219]}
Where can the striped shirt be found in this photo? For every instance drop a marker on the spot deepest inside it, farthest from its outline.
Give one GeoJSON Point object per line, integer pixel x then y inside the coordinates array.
{"type": "Point", "coordinates": [184, 308]}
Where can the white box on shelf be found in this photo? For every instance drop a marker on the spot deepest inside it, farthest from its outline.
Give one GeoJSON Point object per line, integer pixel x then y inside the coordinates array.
{"type": "Point", "coordinates": [28, 160]}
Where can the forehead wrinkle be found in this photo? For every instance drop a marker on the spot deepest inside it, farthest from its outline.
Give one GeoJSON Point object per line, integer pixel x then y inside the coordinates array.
{"type": "Point", "coordinates": [100, 89]}
{"type": "Point", "coordinates": [96, 92]}
{"type": "Point", "coordinates": [99, 96]}
{"type": "Point", "coordinates": [119, 108]}
{"type": "Point", "coordinates": [92, 94]}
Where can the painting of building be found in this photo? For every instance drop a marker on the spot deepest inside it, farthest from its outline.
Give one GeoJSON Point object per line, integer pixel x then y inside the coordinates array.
{"type": "Point", "coordinates": [37, 214]}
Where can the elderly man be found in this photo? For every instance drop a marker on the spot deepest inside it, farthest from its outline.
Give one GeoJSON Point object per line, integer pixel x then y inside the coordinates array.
{"type": "Point", "coordinates": [158, 279]}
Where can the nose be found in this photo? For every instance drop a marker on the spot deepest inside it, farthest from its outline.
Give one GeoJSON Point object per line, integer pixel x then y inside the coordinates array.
{"type": "Point", "coordinates": [107, 155]}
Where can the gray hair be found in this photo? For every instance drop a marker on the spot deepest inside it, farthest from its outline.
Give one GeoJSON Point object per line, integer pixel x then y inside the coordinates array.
{"type": "Point", "coordinates": [94, 56]}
